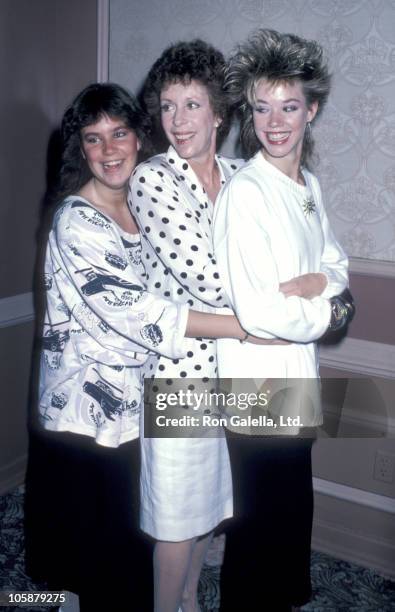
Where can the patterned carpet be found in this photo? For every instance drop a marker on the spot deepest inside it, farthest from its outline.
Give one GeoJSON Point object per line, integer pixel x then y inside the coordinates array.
{"type": "Point", "coordinates": [337, 586]}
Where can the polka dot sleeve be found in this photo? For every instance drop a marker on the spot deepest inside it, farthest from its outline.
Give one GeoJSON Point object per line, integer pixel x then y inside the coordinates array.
{"type": "Point", "coordinates": [174, 217]}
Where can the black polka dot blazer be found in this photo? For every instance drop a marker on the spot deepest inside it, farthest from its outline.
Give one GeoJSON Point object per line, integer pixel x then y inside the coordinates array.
{"type": "Point", "coordinates": [174, 215]}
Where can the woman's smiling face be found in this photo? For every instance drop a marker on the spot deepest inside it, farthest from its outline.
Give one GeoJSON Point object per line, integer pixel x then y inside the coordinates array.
{"type": "Point", "coordinates": [110, 149]}
{"type": "Point", "coordinates": [188, 120]}
{"type": "Point", "coordinates": [280, 115]}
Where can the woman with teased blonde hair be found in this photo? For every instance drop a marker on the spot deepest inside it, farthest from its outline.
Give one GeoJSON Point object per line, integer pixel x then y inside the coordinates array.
{"type": "Point", "coordinates": [270, 225]}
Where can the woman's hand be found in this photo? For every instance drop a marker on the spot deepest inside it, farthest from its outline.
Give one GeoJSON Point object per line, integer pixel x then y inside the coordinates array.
{"type": "Point", "coordinates": [305, 286]}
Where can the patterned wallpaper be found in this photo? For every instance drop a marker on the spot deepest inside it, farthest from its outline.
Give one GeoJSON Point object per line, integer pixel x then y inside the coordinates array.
{"type": "Point", "coordinates": [356, 133]}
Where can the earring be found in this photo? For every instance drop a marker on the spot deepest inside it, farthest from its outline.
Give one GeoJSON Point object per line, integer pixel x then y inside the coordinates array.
{"type": "Point", "coordinates": [308, 130]}
{"type": "Point", "coordinates": [83, 154]}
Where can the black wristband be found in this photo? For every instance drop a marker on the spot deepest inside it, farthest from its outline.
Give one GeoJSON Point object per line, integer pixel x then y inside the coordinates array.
{"type": "Point", "coordinates": [343, 310]}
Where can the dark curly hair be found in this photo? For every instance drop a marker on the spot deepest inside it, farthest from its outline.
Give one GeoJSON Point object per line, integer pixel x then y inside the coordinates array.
{"type": "Point", "coordinates": [182, 63]}
{"type": "Point", "coordinates": [277, 57]}
{"type": "Point", "coordinates": [87, 108]}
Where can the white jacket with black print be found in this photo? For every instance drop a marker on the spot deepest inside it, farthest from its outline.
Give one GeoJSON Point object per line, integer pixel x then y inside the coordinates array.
{"type": "Point", "coordinates": [100, 327]}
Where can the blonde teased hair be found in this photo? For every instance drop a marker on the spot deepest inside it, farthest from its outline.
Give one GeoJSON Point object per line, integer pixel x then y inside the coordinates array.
{"type": "Point", "coordinates": [278, 58]}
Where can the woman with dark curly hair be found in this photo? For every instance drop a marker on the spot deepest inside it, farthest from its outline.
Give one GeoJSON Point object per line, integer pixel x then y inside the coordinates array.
{"type": "Point", "coordinates": [270, 225]}
{"type": "Point", "coordinates": [186, 485]}
{"type": "Point", "coordinates": [101, 327]}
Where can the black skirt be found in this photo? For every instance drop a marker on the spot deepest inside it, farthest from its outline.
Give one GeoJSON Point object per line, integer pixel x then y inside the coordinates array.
{"type": "Point", "coordinates": [81, 522]}
{"type": "Point", "coordinates": [268, 545]}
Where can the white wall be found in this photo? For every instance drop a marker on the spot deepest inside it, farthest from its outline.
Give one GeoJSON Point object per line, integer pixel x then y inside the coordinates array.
{"type": "Point", "coordinates": [356, 133]}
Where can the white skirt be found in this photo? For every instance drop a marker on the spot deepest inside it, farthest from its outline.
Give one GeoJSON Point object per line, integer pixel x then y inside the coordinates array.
{"type": "Point", "coordinates": [186, 483]}
{"type": "Point", "coordinates": [186, 486]}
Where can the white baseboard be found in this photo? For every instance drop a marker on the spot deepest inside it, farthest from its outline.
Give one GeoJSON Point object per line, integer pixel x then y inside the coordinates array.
{"type": "Point", "coordinates": [355, 496]}
{"type": "Point", "coordinates": [16, 309]}
{"type": "Point", "coordinates": [343, 543]}
{"type": "Point", "coordinates": [372, 267]}
{"type": "Point", "coordinates": [360, 357]}
{"type": "Point", "coordinates": [377, 426]}
{"type": "Point", "coordinates": [354, 525]}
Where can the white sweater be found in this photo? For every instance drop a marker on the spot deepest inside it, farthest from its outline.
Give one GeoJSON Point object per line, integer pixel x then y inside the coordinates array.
{"type": "Point", "coordinates": [264, 234]}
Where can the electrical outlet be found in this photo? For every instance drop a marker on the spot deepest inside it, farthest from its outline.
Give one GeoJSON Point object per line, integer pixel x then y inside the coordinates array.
{"type": "Point", "coordinates": [384, 466]}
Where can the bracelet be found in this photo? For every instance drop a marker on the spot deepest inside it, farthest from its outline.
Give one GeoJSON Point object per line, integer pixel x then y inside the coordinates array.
{"type": "Point", "coordinates": [338, 314]}
{"type": "Point", "coordinates": [342, 310]}
{"type": "Point", "coordinates": [244, 340]}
